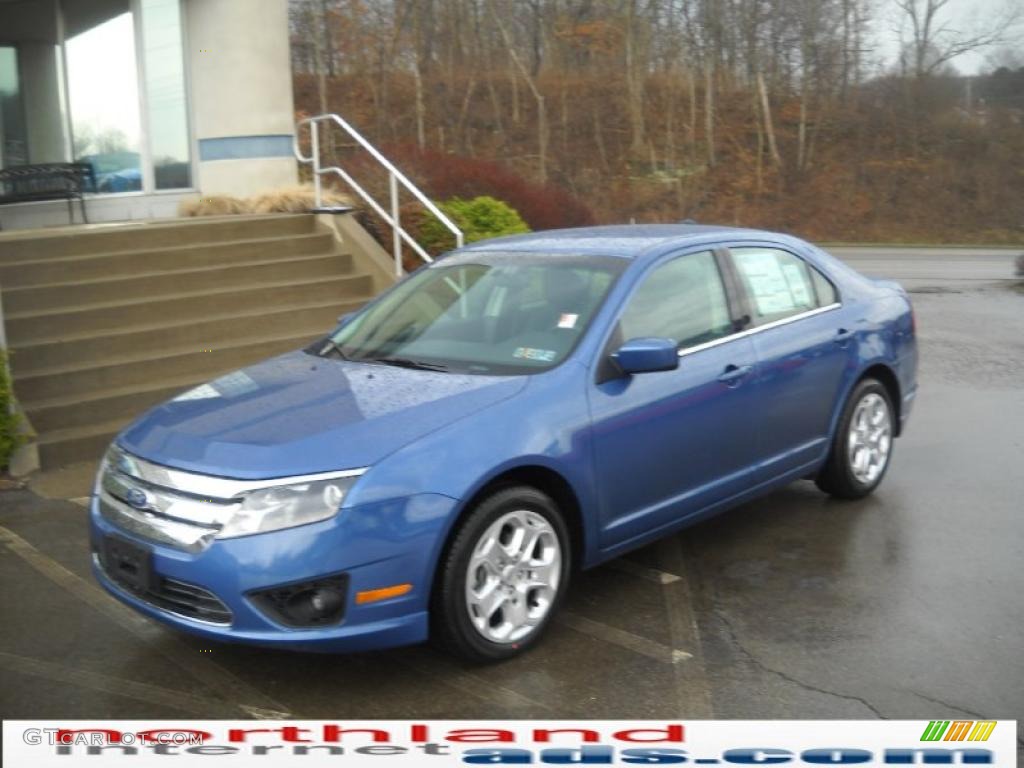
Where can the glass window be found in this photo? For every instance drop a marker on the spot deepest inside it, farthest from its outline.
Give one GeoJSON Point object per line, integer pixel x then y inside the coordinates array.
{"type": "Point", "coordinates": [13, 146]}
{"type": "Point", "coordinates": [500, 314]}
{"type": "Point", "coordinates": [683, 300]}
{"type": "Point", "coordinates": [163, 58]}
{"type": "Point", "coordinates": [777, 282]}
{"type": "Point", "coordinates": [823, 288]}
{"type": "Point", "coordinates": [104, 92]}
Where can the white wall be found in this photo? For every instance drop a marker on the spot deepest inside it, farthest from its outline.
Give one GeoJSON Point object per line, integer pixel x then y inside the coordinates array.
{"type": "Point", "coordinates": [44, 120]}
{"type": "Point", "coordinates": [241, 91]}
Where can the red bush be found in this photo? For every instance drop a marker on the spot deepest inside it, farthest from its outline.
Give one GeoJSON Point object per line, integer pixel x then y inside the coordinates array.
{"type": "Point", "coordinates": [443, 176]}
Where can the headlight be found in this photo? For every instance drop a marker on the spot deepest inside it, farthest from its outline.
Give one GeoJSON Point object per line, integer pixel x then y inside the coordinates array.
{"type": "Point", "coordinates": [152, 495]}
{"type": "Point", "coordinates": [285, 506]}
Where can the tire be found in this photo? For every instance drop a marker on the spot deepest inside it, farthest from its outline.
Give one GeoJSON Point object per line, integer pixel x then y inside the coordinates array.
{"type": "Point", "coordinates": [859, 457]}
{"type": "Point", "coordinates": [489, 603]}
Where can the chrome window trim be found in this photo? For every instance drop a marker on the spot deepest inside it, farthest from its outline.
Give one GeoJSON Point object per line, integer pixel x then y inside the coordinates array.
{"type": "Point", "coordinates": [758, 329]}
{"type": "Point", "coordinates": [213, 486]}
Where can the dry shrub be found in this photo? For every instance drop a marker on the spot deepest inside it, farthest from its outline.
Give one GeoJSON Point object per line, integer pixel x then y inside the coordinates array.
{"type": "Point", "coordinates": [212, 205]}
{"type": "Point", "coordinates": [300, 198]}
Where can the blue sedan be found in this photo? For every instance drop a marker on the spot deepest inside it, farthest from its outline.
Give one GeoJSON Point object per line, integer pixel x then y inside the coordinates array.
{"type": "Point", "coordinates": [440, 463]}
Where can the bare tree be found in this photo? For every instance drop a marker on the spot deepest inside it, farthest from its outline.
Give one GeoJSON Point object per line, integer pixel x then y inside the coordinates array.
{"type": "Point", "coordinates": [935, 41]}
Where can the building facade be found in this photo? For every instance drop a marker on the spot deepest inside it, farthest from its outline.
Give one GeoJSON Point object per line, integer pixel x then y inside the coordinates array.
{"type": "Point", "coordinates": [165, 99]}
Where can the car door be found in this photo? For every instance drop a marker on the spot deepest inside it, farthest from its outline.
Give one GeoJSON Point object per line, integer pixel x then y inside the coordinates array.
{"type": "Point", "coordinates": [802, 338]}
{"type": "Point", "coordinates": [668, 444]}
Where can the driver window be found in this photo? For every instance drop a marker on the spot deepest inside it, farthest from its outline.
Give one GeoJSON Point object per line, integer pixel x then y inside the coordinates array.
{"type": "Point", "coordinates": [683, 300]}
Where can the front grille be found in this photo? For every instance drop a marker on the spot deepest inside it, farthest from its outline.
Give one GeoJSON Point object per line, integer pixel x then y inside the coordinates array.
{"type": "Point", "coordinates": [175, 596]}
{"type": "Point", "coordinates": [189, 600]}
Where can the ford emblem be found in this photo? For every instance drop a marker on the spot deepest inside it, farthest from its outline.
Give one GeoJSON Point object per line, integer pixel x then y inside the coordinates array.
{"type": "Point", "coordinates": [137, 497]}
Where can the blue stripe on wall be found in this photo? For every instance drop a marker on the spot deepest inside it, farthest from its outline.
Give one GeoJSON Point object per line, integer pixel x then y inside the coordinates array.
{"type": "Point", "coordinates": [240, 147]}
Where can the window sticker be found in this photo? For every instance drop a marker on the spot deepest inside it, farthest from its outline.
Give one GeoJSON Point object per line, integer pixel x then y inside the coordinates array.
{"type": "Point", "coordinates": [540, 355]}
{"type": "Point", "coordinates": [567, 320]}
{"type": "Point", "coordinates": [797, 280]}
{"type": "Point", "coordinates": [768, 283]}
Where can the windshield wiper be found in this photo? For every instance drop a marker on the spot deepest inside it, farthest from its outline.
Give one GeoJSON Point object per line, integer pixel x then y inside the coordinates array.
{"type": "Point", "coordinates": [333, 346]}
{"type": "Point", "coordinates": [405, 362]}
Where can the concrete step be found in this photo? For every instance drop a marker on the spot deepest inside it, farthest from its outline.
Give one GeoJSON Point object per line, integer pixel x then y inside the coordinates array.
{"type": "Point", "coordinates": [38, 326]}
{"type": "Point", "coordinates": [163, 282]}
{"type": "Point", "coordinates": [106, 238]}
{"type": "Point", "coordinates": [100, 265]}
{"type": "Point", "coordinates": [77, 398]}
{"type": "Point", "coordinates": [76, 348]}
{"type": "Point", "coordinates": [66, 446]}
{"type": "Point", "coordinates": [48, 416]}
{"type": "Point", "coordinates": [106, 321]}
{"type": "Point", "coordinates": [149, 367]}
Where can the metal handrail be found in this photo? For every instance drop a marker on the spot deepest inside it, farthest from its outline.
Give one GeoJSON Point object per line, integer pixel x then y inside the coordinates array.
{"type": "Point", "coordinates": [395, 177]}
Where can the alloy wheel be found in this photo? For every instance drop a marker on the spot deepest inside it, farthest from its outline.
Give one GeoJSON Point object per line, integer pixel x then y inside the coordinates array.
{"type": "Point", "coordinates": [870, 438]}
{"type": "Point", "coordinates": [513, 576]}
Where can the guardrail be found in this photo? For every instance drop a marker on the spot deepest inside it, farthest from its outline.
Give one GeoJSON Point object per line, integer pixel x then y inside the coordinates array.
{"type": "Point", "coordinates": [395, 178]}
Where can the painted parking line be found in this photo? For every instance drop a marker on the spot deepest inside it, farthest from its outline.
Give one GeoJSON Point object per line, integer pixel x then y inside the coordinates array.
{"type": "Point", "coordinates": [635, 569]}
{"type": "Point", "coordinates": [622, 638]}
{"type": "Point", "coordinates": [693, 693]}
{"type": "Point", "coordinates": [118, 686]}
{"type": "Point", "coordinates": [225, 685]}
{"type": "Point", "coordinates": [465, 682]}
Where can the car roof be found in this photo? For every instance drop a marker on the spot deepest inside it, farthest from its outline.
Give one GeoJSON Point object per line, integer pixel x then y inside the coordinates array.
{"type": "Point", "coordinates": [625, 240]}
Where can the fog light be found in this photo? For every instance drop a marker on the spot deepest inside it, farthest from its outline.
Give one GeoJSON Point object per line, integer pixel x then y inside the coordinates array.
{"type": "Point", "coordinates": [309, 604]}
{"type": "Point", "coordinates": [313, 606]}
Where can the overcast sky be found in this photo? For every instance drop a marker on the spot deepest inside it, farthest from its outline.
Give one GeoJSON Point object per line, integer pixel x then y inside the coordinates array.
{"type": "Point", "coordinates": [963, 15]}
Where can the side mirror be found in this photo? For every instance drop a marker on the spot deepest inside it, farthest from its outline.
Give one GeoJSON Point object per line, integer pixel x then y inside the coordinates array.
{"type": "Point", "coordinates": [647, 355]}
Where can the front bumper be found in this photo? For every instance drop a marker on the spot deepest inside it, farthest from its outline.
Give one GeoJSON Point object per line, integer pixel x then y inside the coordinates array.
{"type": "Point", "coordinates": [375, 545]}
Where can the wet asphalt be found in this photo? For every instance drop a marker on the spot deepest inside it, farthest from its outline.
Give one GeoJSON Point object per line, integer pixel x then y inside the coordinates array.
{"type": "Point", "coordinates": [908, 604]}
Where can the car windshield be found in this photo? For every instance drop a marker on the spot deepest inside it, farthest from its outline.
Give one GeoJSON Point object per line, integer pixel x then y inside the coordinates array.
{"type": "Point", "coordinates": [496, 314]}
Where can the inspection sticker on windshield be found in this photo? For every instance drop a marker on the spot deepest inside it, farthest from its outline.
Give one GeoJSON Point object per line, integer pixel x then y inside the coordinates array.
{"type": "Point", "coordinates": [529, 353]}
{"type": "Point", "coordinates": [568, 320]}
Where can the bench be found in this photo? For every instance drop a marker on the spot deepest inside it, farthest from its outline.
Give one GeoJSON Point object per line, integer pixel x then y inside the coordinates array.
{"type": "Point", "coordinates": [48, 181]}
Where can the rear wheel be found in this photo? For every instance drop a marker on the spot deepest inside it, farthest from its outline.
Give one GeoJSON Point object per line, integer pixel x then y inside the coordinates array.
{"type": "Point", "coordinates": [862, 445]}
{"type": "Point", "coordinates": [503, 577]}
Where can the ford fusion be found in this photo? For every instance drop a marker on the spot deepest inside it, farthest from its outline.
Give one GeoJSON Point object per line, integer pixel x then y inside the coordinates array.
{"type": "Point", "coordinates": [440, 463]}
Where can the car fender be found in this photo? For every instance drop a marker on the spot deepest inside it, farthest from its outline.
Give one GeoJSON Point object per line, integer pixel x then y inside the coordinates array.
{"type": "Point", "coordinates": [537, 427]}
{"type": "Point", "coordinates": [864, 364]}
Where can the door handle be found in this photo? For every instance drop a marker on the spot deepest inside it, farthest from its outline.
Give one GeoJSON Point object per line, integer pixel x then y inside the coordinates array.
{"type": "Point", "coordinates": [733, 374]}
{"type": "Point", "coordinates": [843, 336]}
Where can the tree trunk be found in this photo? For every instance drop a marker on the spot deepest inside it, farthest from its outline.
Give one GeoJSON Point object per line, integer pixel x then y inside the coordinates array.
{"type": "Point", "coordinates": [773, 148]}
{"type": "Point", "coordinates": [421, 108]}
{"type": "Point", "coordinates": [709, 112]}
{"type": "Point", "coordinates": [692, 137]}
{"type": "Point", "coordinates": [634, 89]}
{"type": "Point", "coordinates": [542, 113]}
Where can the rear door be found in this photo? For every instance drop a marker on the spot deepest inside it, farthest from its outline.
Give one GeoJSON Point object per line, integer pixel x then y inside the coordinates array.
{"type": "Point", "coordinates": [803, 340]}
{"type": "Point", "coordinates": [668, 444]}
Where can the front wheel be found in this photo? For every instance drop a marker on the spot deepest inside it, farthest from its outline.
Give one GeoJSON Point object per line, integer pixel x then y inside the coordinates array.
{"type": "Point", "coordinates": [862, 446]}
{"type": "Point", "coordinates": [503, 577]}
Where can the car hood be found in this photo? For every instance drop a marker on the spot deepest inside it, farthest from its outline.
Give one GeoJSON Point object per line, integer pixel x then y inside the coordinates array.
{"type": "Point", "coordinates": [298, 414]}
